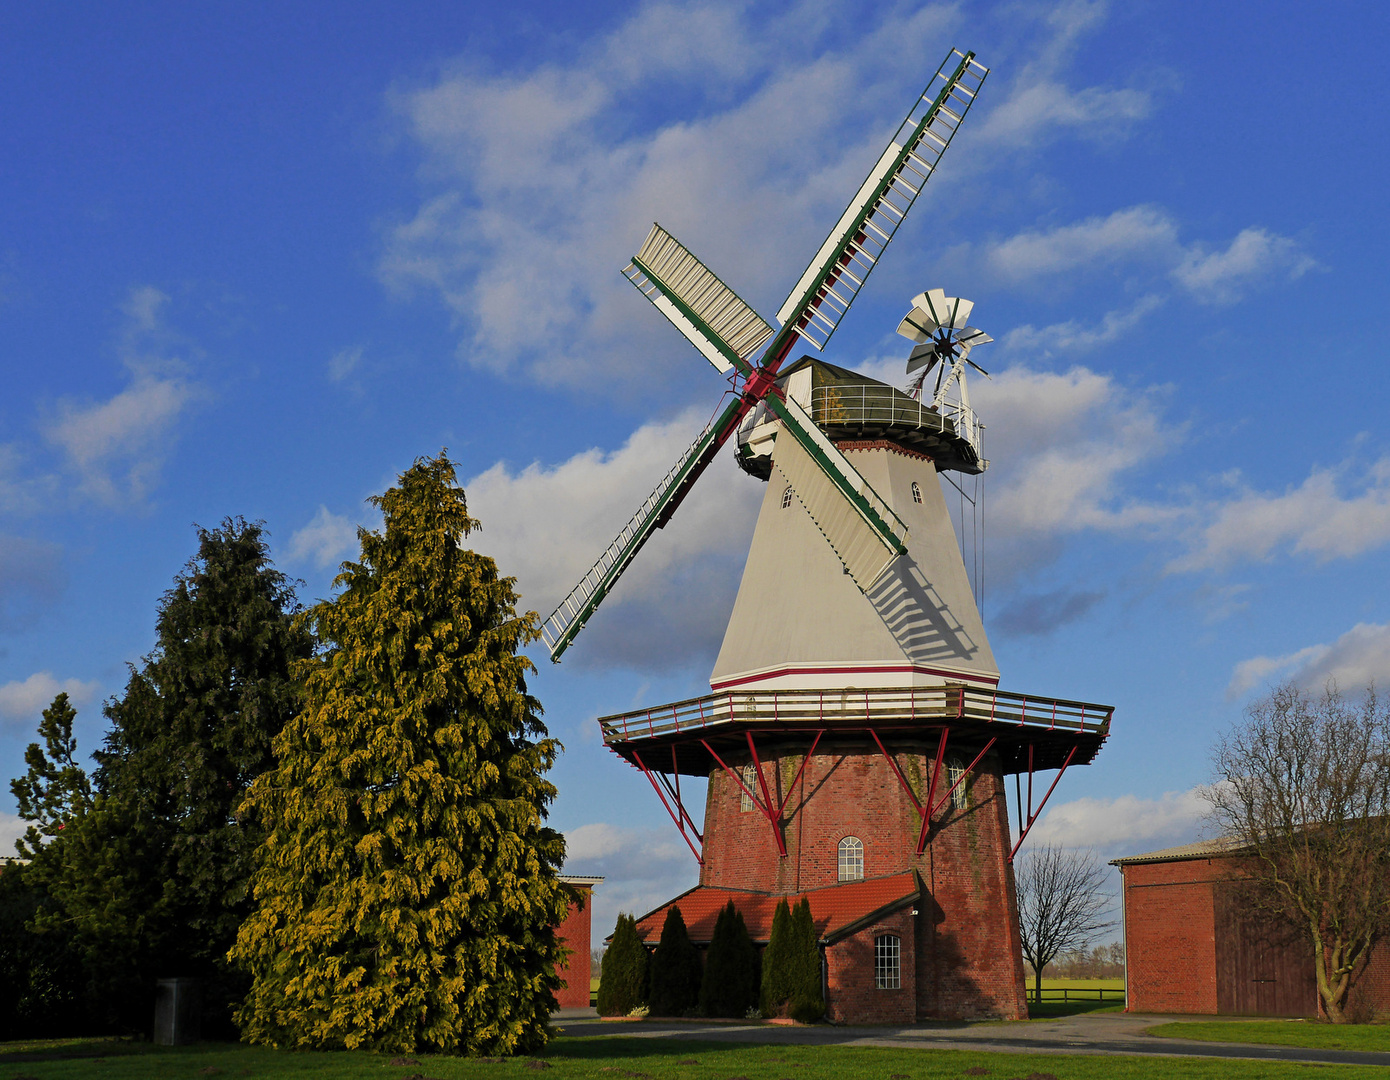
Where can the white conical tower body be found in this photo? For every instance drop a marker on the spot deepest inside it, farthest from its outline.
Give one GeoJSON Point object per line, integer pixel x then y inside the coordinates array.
{"type": "Point", "coordinates": [800, 621]}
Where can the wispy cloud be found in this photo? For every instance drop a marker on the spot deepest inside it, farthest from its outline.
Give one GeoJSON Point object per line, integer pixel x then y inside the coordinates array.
{"type": "Point", "coordinates": [22, 701]}
{"type": "Point", "coordinates": [548, 524]}
{"type": "Point", "coordinates": [1126, 825]}
{"type": "Point", "coordinates": [539, 185]}
{"type": "Point", "coordinates": [327, 539]}
{"type": "Point", "coordinates": [117, 447]}
{"type": "Point", "coordinates": [1139, 232]}
{"type": "Point", "coordinates": [1358, 658]}
{"type": "Point", "coordinates": [1254, 256]}
{"type": "Point", "coordinates": [1316, 518]}
{"type": "Point", "coordinates": [1074, 336]}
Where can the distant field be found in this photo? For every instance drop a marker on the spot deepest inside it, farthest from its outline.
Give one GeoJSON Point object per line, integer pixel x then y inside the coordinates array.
{"type": "Point", "coordinates": [1080, 984]}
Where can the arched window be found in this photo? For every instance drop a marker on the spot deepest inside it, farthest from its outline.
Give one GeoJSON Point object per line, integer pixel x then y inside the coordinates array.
{"type": "Point", "coordinates": [750, 777]}
{"type": "Point", "coordinates": [960, 793]}
{"type": "Point", "coordinates": [787, 497]}
{"type": "Point", "coordinates": [916, 492]}
{"type": "Point", "coordinates": [851, 859]}
{"type": "Point", "coordinates": [888, 962]}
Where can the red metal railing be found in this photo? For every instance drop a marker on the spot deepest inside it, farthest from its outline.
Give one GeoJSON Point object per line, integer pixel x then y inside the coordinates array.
{"type": "Point", "coordinates": [874, 707]}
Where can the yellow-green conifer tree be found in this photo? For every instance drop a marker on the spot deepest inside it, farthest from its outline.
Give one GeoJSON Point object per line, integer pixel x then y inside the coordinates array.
{"type": "Point", "coordinates": [407, 894]}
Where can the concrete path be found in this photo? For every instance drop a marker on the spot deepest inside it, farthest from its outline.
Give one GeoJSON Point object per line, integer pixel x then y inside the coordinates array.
{"type": "Point", "coordinates": [1085, 1034]}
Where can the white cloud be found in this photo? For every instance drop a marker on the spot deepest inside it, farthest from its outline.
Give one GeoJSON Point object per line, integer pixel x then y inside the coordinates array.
{"type": "Point", "coordinates": [1140, 237]}
{"type": "Point", "coordinates": [1073, 336]}
{"type": "Point", "coordinates": [116, 447]}
{"type": "Point", "coordinates": [1065, 443]}
{"type": "Point", "coordinates": [21, 702]}
{"type": "Point", "coordinates": [326, 540]}
{"type": "Point", "coordinates": [1358, 658]}
{"type": "Point", "coordinates": [538, 186]}
{"type": "Point", "coordinates": [548, 525]}
{"type": "Point", "coordinates": [1314, 519]}
{"type": "Point", "coordinates": [1127, 825]}
{"type": "Point", "coordinates": [642, 869]}
{"type": "Point", "coordinates": [344, 363]}
{"type": "Point", "coordinates": [1255, 255]}
{"type": "Point", "coordinates": [1139, 232]}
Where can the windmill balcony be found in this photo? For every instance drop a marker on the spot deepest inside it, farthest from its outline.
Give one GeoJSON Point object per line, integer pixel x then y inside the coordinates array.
{"type": "Point", "coordinates": [1027, 728]}
{"type": "Point", "coordinates": [873, 410]}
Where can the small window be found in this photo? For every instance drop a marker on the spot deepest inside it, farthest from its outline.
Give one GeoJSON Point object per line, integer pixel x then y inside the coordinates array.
{"type": "Point", "coordinates": [787, 497]}
{"type": "Point", "coordinates": [851, 859]}
{"type": "Point", "coordinates": [888, 962]}
{"type": "Point", "coordinates": [960, 793]}
{"type": "Point", "coordinates": [916, 492]}
{"type": "Point", "coordinates": [750, 777]}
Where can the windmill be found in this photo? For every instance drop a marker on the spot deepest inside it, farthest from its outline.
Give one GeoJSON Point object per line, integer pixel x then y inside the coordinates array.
{"type": "Point", "coordinates": [854, 718]}
{"type": "Point", "coordinates": [859, 524]}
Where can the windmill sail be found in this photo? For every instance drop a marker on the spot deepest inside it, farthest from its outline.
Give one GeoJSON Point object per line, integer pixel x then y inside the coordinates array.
{"type": "Point", "coordinates": [828, 286]}
{"type": "Point", "coordinates": [572, 613]}
{"type": "Point", "coordinates": [861, 527]}
{"type": "Point", "coordinates": [709, 313]}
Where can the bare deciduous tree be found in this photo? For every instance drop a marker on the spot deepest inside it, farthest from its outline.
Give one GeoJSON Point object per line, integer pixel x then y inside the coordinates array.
{"type": "Point", "coordinates": [1304, 784]}
{"type": "Point", "coordinates": [1062, 902]}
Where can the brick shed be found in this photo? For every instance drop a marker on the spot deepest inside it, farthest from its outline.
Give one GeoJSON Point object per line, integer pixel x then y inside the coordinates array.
{"type": "Point", "coordinates": [1192, 945]}
{"type": "Point", "coordinates": [575, 932]}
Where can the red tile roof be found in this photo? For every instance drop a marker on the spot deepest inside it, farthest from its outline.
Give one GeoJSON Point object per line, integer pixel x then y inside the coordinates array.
{"type": "Point", "coordinates": [834, 910]}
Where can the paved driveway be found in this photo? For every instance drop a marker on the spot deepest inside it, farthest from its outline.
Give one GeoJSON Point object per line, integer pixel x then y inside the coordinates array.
{"type": "Point", "coordinates": [1084, 1034]}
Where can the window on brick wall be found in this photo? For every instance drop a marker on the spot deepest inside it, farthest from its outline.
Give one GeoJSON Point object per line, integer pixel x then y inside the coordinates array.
{"type": "Point", "coordinates": [888, 962]}
{"type": "Point", "coordinates": [851, 859]}
{"type": "Point", "coordinates": [960, 793]}
{"type": "Point", "coordinates": [750, 777]}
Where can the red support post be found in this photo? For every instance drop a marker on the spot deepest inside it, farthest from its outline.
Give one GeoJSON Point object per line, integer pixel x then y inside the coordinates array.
{"type": "Point", "coordinates": [931, 791]}
{"type": "Point", "coordinates": [961, 779]}
{"type": "Point", "coordinates": [767, 797]}
{"type": "Point", "coordinates": [1032, 817]}
{"type": "Point", "coordinates": [764, 810]}
{"type": "Point", "coordinates": [896, 771]}
{"type": "Point", "coordinates": [792, 786]}
{"type": "Point", "coordinates": [660, 795]}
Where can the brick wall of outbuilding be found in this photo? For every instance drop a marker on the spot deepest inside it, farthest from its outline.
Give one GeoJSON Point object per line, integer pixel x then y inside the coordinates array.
{"type": "Point", "coordinates": [850, 976]}
{"type": "Point", "coordinates": [1170, 935]}
{"type": "Point", "coordinates": [576, 971]}
{"type": "Point", "coordinates": [966, 946]}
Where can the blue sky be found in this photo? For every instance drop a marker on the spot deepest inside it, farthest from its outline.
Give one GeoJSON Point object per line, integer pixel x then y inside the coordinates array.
{"type": "Point", "coordinates": [255, 261]}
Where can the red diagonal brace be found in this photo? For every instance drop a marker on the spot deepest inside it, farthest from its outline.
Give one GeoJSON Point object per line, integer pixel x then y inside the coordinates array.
{"type": "Point", "coordinates": [648, 774]}
{"type": "Point", "coordinates": [675, 793]}
{"type": "Point", "coordinates": [897, 771]}
{"type": "Point", "coordinates": [931, 790]}
{"type": "Point", "coordinates": [792, 786]}
{"type": "Point", "coordinates": [763, 809]}
{"type": "Point", "coordinates": [961, 778]}
{"type": "Point", "coordinates": [1032, 817]}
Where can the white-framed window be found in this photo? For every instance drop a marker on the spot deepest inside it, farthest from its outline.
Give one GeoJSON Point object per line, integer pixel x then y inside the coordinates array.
{"type": "Point", "coordinates": [960, 793]}
{"type": "Point", "coordinates": [750, 777]}
{"type": "Point", "coordinates": [787, 497]}
{"type": "Point", "coordinates": [916, 492]}
{"type": "Point", "coordinates": [851, 859]}
{"type": "Point", "coordinates": [888, 962]}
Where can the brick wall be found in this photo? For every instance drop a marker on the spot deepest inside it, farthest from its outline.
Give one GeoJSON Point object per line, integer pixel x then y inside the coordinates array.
{"type": "Point", "coordinates": [966, 947]}
{"type": "Point", "coordinates": [1170, 937]}
{"type": "Point", "coordinates": [574, 932]}
{"type": "Point", "coordinates": [850, 975]}
{"type": "Point", "coordinates": [1369, 997]}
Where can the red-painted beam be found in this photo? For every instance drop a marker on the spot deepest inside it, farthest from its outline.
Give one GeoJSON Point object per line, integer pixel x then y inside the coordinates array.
{"type": "Point", "coordinates": [1032, 817]}
{"type": "Point", "coordinates": [795, 779]}
{"type": "Point", "coordinates": [767, 798]}
{"type": "Point", "coordinates": [772, 820]}
{"type": "Point", "coordinates": [931, 790]}
{"type": "Point", "coordinates": [650, 779]}
{"type": "Point", "coordinates": [897, 771]}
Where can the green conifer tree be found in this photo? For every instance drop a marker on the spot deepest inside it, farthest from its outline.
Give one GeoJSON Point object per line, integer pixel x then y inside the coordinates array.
{"type": "Point", "coordinates": [731, 983]}
{"type": "Point", "coordinates": [622, 984]}
{"type": "Point", "coordinates": [149, 875]}
{"type": "Point", "coordinates": [55, 789]}
{"type": "Point", "coordinates": [807, 998]}
{"type": "Point", "coordinates": [675, 969]}
{"type": "Point", "coordinates": [779, 959]}
{"type": "Point", "coordinates": [407, 896]}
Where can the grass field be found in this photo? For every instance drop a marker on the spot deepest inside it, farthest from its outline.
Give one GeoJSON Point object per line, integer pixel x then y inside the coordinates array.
{"type": "Point", "coordinates": [1282, 1033]}
{"type": "Point", "coordinates": [617, 1058]}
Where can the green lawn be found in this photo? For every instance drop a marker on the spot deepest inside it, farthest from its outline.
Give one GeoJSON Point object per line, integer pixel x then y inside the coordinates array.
{"type": "Point", "coordinates": [618, 1058]}
{"type": "Point", "coordinates": [1282, 1033]}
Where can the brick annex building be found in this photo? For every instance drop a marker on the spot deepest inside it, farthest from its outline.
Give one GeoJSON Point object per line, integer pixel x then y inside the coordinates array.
{"type": "Point", "coordinates": [855, 743]}
{"type": "Point", "coordinates": [1193, 946]}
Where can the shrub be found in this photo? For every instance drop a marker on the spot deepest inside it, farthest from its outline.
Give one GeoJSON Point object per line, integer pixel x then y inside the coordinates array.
{"type": "Point", "coordinates": [807, 1000]}
{"type": "Point", "coordinates": [779, 963]}
{"type": "Point", "coordinates": [622, 980]}
{"type": "Point", "coordinates": [675, 969]}
{"type": "Point", "coordinates": [730, 986]}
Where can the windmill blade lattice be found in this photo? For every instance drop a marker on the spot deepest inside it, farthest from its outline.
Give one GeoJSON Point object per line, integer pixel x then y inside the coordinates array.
{"type": "Point", "coordinates": [728, 333]}
{"type": "Point", "coordinates": [830, 283]}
